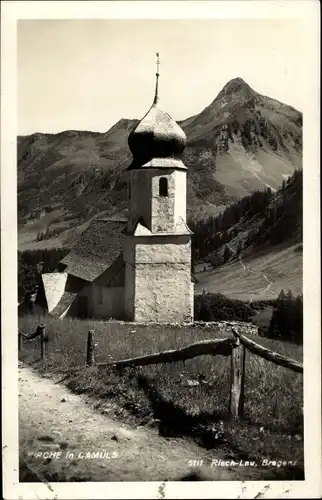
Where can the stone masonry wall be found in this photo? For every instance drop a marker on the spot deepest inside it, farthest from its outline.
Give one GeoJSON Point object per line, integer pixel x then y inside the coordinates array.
{"type": "Point", "coordinates": [159, 213]}
{"type": "Point", "coordinates": [175, 249]}
{"type": "Point", "coordinates": [212, 326]}
{"type": "Point", "coordinates": [180, 202]}
{"type": "Point", "coordinates": [163, 292]}
{"type": "Point", "coordinates": [162, 207]}
{"type": "Point", "coordinates": [158, 278]}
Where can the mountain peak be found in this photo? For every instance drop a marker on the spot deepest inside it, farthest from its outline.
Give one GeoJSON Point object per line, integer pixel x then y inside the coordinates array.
{"type": "Point", "coordinates": [236, 81]}
{"type": "Point", "coordinates": [236, 86]}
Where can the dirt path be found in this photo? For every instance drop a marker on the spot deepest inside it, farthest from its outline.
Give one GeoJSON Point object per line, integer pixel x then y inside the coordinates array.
{"type": "Point", "coordinates": [60, 423]}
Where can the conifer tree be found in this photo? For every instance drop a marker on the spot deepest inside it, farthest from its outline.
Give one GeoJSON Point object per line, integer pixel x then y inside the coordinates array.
{"type": "Point", "coordinates": [227, 254]}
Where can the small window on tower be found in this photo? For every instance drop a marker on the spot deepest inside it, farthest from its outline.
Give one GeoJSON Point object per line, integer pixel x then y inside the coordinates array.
{"type": "Point", "coordinates": [163, 187]}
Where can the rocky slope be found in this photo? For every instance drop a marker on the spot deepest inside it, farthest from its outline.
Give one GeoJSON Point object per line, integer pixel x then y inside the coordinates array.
{"type": "Point", "coordinates": [243, 141]}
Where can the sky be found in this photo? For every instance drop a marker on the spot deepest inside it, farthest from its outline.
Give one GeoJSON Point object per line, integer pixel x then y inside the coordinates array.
{"type": "Point", "coordinates": [88, 74]}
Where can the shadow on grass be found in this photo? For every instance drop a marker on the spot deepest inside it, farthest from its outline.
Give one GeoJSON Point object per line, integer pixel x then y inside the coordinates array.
{"type": "Point", "coordinates": [175, 422]}
{"type": "Point", "coordinates": [207, 430]}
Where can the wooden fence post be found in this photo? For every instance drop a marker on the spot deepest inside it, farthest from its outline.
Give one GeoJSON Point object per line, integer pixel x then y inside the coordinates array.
{"type": "Point", "coordinates": [237, 381]}
{"type": "Point", "coordinates": [90, 358]}
{"type": "Point", "coordinates": [43, 341]}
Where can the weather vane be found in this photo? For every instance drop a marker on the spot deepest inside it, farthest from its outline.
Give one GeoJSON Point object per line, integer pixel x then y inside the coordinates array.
{"type": "Point", "coordinates": [158, 63]}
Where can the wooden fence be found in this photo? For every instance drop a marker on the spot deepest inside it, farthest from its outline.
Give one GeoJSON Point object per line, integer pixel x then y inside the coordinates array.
{"type": "Point", "coordinates": [234, 347]}
{"type": "Point", "coordinates": [39, 333]}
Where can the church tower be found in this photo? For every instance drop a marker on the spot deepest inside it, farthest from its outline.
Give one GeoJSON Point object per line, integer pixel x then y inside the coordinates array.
{"type": "Point", "coordinates": [157, 241]}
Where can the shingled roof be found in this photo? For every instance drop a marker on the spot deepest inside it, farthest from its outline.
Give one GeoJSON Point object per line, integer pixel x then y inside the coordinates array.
{"type": "Point", "coordinates": [96, 250]}
{"type": "Point", "coordinates": [64, 304]}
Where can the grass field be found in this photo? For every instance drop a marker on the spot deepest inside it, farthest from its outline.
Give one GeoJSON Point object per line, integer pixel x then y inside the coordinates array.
{"type": "Point", "coordinates": [282, 268]}
{"type": "Point", "coordinates": [188, 398]}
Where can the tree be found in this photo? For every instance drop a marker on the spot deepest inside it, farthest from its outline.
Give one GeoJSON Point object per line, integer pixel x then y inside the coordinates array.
{"type": "Point", "coordinates": [32, 263]}
{"type": "Point", "coordinates": [216, 260]}
{"type": "Point", "coordinates": [287, 318]}
{"type": "Point", "coordinates": [227, 254]}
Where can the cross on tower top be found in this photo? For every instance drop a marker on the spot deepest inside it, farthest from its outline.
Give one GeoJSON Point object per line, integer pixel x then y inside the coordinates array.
{"type": "Point", "coordinates": [156, 97]}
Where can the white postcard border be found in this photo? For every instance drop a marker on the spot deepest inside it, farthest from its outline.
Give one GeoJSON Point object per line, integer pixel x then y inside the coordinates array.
{"type": "Point", "coordinates": [308, 12]}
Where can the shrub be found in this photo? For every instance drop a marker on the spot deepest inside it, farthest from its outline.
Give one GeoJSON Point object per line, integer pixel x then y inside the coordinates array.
{"type": "Point", "coordinates": [287, 318]}
{"type": "Point", "coordinates": [227, 254]}
{"type": "Point", "coordinates": [31, 263]}
{"type": "Point", "coordinates": [217, 307]}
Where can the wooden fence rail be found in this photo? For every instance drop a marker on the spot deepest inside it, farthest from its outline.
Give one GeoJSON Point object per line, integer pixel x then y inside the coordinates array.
{"type": "Point", "coordinates": [233, 346]}
{"type": "Point", "coordinates": [267, 354]}
{"type": "Point", "coordinates": [40, 332]}
{"type": "Point", "coordinates": [213, 347]}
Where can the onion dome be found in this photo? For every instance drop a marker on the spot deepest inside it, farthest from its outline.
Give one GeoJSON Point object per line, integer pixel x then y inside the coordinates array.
{"type": "Point", "coordinates": [157, 141]}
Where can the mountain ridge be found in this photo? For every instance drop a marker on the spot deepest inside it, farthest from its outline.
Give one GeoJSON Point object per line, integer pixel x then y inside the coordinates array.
{"type": "Point", "coordinates": [243, 141]}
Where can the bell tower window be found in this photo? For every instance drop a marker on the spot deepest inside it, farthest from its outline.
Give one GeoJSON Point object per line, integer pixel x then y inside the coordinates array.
{"type": "Point", "coordinates": [163, 186]}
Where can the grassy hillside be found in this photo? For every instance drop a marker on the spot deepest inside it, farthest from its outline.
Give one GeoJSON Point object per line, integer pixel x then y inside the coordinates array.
{"type": "Point", "coordinates": [254, 248]}
{"type": "Point", "coordinates": [258, 277]}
